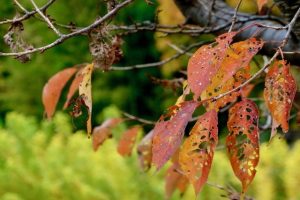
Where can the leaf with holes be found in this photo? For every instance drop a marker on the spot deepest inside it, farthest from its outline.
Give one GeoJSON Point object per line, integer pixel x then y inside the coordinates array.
{"type": "Point", "coordinates": [168, 134]}
{"type": "Point", "coordinates": [233, 72]}
{"type": "Point", "coordinates": [85, 91]}
{"type": "Point", "coordinates": [104, 131]}
{"type": "Point", "coordinates": [197, 152]}
{"type": "Point", "coordinates": [243, 141]}
{"type": "Point", "coordinates": [52, 90]}
{"type": "Point", "coordinates": [279, 93]}
{"type": "Point", "coordinates": [144, 150]}
{"type": "Point", "coordinates": [175, 180]}
{"type": "Point", "coordinates": [127, 141]}
{"type": "Point", "coordinates": [205, 62]}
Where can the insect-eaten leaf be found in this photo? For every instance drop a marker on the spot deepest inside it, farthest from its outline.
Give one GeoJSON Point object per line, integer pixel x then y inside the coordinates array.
{"type": "Point", "coordinates": [243, 141]}
{"type": "Point", "coordinates": [168, 134]}
{"type": "Point", "coordinates": [234, 71]}
{"type": "Point", "coordinates": [104, 131]}
{"type": "Point", "coordinates": [175, 180]}
{"type": "Point", "coordinates": [279, 94]}
{"type": "Point", "coordinates": [85, 91]}
{"type": "Point", "coordinates": [205, 63]}
{"type": "Point", "coordinates": [196, 154]}
{"type": "Point", "coordinates": [144, 150]}
{"type": "Point", "coordinates": [52, 89]}
{"type": "Point", "coordinates": [127, 141]}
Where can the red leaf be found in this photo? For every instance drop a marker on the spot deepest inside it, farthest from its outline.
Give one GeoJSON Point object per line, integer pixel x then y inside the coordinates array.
{"type": "Point", "coordinates": [73, 88]}
{"type": "Point", "coordinates": [234, 71]}
{"type": "Point", "coordinates": [279, 93]}
{"type": "Point", "coordinates": [243, 140]}
{"type": "Point", "coordinates": [168, 134]}
{"type": "Point", "coordinates": [144, 151]}
{"type": "Point", "coordinates": [197, 152]}
{"type": "Point", "coordinates": [127, 141]}
{"type": "Point", "coordinates": [175, 180]}
{"type": "Point", "coordinates": [52, 89]}
{"type": "Point", "coordinates": [103, 132]}
{"type": "Point", "coordinates": [205, 62]}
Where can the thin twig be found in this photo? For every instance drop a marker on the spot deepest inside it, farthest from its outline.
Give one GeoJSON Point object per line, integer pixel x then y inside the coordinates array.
{"type": "Point", "coordinates": [45, 18]}
{"type": "Point", "coordinates": [70, 35]}
{"type": "Point", "coordinates": [144, 121]}
{"type": "Point", "coordinates": [20, 6]}
{"type": "Point", "coordinates": [234, 18]}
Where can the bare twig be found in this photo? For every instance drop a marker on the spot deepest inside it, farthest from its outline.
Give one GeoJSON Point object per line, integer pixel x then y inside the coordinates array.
{"type": "Point", "coordinates": [45, 18]}
{"type": "Point", "coordinates": [144, 121]}
{"type": "Point", "coordinates": [234, 18]}
{"type": "Point", "coordinates": [70, 35]}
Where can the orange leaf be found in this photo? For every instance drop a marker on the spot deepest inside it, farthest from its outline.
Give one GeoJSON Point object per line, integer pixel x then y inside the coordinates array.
{"type": "Point", "coordinates": [232, 73]}
{"type": "Point", "coordinates": [243, 141]}
{"type": "Point", "coordinates": [103, 132]}
{"type": "Point", "coordinates": [261, 4]}
{"type": "Point", "coordinates": [279, 93]}
{"type": "Point", "coordinates": [175, 180]}
{"type": "Point", "coordinates": [73, 88]}
{"type": "Point", "coordinates": [144, 151]}
{"type": "Point", "coordinates": [85, 91]}
{"type": "Point", "coordinates": [205, 62]}
{"type": "Point", "coordinates": [197, 152]}
{"type": "Point", "coordinates": [168, 134]}
{"type": "Point", "coordinates": [127, 141]}
{"type": "Point", "coordinates": [52, 89]}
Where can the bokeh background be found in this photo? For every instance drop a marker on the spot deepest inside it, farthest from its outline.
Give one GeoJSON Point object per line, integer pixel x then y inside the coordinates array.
{"type": "Point", "coordinates": [41, 159]}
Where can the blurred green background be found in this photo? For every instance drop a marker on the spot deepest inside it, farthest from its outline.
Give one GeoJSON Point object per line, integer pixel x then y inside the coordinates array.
{"type": "Point", "coordinates": [42, 159]}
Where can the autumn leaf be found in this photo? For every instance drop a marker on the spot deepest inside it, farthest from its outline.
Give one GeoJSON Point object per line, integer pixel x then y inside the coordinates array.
{"type": "Point", "coordinates": [168, 134]}
{"type": "Point", "coordinates": [52, 89]}
{"type": "Point", "coordinates": [234, 71]}
{"type": "Point", "coordinates": [127, 141]}
{"type": "Point", "coordinates": [196, 154]}
{"type": "Point", "coordinates": [279, 93]}
{"type": "Point", "coordinates": [261, 4]}
{"type": "Point", "coordinates": [104, 131]}
{"type": "Point", "coordinates": [85, 91]}
{"type": "Point", "coordinates": [243, 141]}
{"type": "Point", "coordinates": [73, 88]}
{"type": "Point", "coordinates": [144, 150]}
{"type": "Point", "coordinates": [205, 62]}
{"type": "Point", "coordinates": [175, 180]}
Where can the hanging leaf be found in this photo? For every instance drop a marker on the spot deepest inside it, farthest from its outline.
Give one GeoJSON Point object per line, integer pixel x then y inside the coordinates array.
{"type": "Point", "coordinates": [175, 180]}
{"type": "Point", "coordinates": [52, 89]}
{"type": "Point", "coordinates": [243, 141]}
{"type": "Point", "coordinates": [168, 134]}
{"type": "Point", "coordinates": [144, 150]}
{"type": "Point", "coordinates": [197, 152]}
{"type": "Point", "coordinates": [127, 141]}
{"type": "Point", "coordinates": [104, 131]}
{"type": "Point", "coordinates": [261, 4]}
{"type": "Point", "coordinates": [205, 62]}
{"type": "Point", "coordinates": [73, 87]}
{"type": "Point", "coordinates": [234, 71]}
{"type": "Point", "coordinates": [85, 91]}
{"type": "Point", "coordinates": [279, 93]}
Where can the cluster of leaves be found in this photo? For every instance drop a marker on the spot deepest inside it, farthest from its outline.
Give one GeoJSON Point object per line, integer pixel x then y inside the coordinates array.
{"type": "Point", "coordinates": [216, 75]}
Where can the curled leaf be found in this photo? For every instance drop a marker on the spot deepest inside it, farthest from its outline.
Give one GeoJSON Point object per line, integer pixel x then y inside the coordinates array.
{"type": "Point", "coordinates": [144, 150]}
{"type": "Point", "coordinates": [279, 93]}
{"type": "Point", "coordinates": [175, 180]}
{"type": "Point", "coordinates": [127, 141]}
{"type": "Point", "coordinates": [197, 152]}
{"type": "Point", "coordinates": [243, 141]}
{"type": "Point", "coordinates": [168, 134]}
{"type": "Point", "coordinates": [52, 89]}
{"type": "Point", "coordinates": [85, 91]}
{"type": "Point", "coordinates": [205, 62]}
{"type": "Point", "coordinates": [104, 131]}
